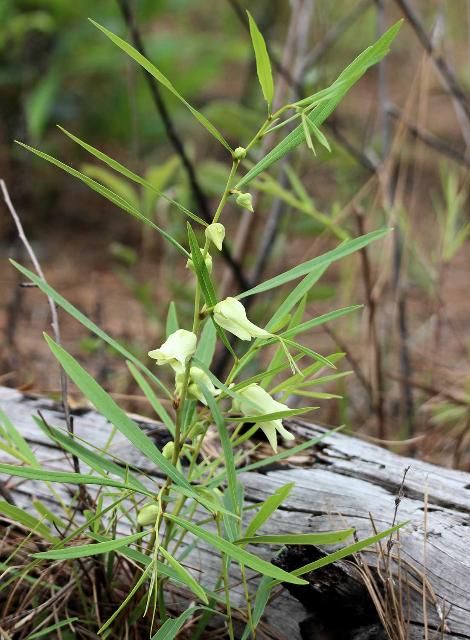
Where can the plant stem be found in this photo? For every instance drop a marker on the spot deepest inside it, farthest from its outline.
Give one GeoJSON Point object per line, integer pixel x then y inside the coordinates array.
{"type": "Point", "coordinates": [226, 585]}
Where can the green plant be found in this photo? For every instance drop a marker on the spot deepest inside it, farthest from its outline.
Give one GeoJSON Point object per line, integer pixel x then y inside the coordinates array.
{"type": "Point", "coordinates": [205, 490]}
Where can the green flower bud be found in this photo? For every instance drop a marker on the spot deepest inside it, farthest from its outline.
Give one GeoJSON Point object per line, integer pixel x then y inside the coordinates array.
{"type": "Point", "coordinates": [245, 201]}
{"type": "Point", "coordinates": [148, 515]}
{"type": "Point", "coordinates": [239, 153]}
{"type": "Point", "coordinates": [168, 450]}
{"type": "Point", "coordinates": [215, 232]}
{"type": "Point", "coordinates": [207, 260]}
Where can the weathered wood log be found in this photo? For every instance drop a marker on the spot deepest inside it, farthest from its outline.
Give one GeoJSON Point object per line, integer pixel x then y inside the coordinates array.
{"type": "Point", "coordinates": [421, 582]}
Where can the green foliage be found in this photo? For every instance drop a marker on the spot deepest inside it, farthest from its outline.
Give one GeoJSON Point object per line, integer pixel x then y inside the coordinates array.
{"type": "Point", "coordinates": [195, 498]}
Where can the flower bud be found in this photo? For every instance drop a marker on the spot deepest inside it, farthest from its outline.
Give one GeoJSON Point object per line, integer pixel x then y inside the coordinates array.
{"type": "Point", "coordinates": [230, 314]}
{"type": "Point", "coordinates": [207, 260]}
{"type": "Point", "coordinates": [245, 201]}
{"type": "Point", "coordinates": [148, 514]}
{"type": "Point", "coordinates": [168, 450]}
{"type": "Point", "coordinates": [215, 232]}
{"type": "Point", "coordinates": [239, 153]}
{"type": "Point", "coordinates": [198, 377]}
{"type": "Point", "coordinates": [179, 347]}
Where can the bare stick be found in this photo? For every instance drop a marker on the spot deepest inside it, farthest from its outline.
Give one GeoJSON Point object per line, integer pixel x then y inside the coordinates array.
{"type": "Point", "coordinates": [443, 68]}
{"type": "Point", "coordinates": [54, 320]}
{"type": "Point", "coordinates": [379, 385]}
{"type": "Point", "coordinates": [430, 140]}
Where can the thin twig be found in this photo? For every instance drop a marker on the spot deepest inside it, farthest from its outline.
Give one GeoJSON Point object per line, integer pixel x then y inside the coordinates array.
{"type": "Point", "coordinates": [430, 140]}
{"type": "Point", "coordinates": [176, 141]}
{"type": "Point", "coordinates": [379, 385]}
{"type": "Point", "coordinates": [54, 323]}
{"type": "Point", "coordinates": [442, 66]}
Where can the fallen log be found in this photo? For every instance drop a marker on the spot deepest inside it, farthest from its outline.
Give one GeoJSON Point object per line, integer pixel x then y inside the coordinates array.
{"type": "Point", "coordinates": [417, 585]}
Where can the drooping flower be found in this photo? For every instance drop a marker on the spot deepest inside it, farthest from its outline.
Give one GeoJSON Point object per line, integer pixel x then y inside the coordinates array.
{"type": "Point", "coordinates": [245, 201]}
{"type": "Point", "coordinates": [196, 377]}
{"type": "Point", "coordinates": [253, 400]}
{"type": "Point", "coordinates": [207, 260]}
{"type": "Point", "coordinates": [179, 347]}
{"type": "Point", "coordinates": [215, 232]}
{"type": "Point", "coordinates": [230, 314]}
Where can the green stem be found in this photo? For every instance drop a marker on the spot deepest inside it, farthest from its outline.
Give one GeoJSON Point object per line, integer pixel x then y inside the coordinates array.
{"type": "Point", "coordinates": [225, 575]}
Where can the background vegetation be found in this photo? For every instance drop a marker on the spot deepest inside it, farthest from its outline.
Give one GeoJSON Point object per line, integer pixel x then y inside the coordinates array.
{"type": "Point", "coordinates": [398, 157]}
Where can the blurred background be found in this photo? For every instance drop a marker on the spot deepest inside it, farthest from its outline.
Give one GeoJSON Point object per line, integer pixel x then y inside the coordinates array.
{"type": "Point", "coordinates": [399, 157]}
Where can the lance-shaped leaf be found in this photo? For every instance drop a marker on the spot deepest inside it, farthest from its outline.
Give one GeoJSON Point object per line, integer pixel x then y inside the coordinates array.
{"type": "Point", "coordinates": [263, 65]}
{"type": "Point", "coordinates": [158, 75]}
{"type": "Point", "coordinates": [120, 168]}
{"type": "Point", "coordinates": [343, 250]}
{"type": "Point", "coordinates": [85, 550]}
{"type": "Point", "coordinates": [372, 55]}
{"type": "Point", "coordinates": [116, 416]}
{"type": "Point", "coordinates": [236, 553]}
{"type": "Point", "coordinates": [116, 199]}
{"type": "Point", "coordinates": [328, 537]}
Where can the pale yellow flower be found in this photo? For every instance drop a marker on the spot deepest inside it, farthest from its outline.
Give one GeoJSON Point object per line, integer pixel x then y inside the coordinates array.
{"type": "Point", "coordinates": [230, 314]}
{"type": "Point", "coordinates": [176, 351]}
{"type": "Point", "coordinates": [255, 401]}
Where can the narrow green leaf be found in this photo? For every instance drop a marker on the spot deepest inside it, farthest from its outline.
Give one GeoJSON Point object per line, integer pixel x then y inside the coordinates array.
{"type": "Point", "coordinates": [106, 193]}
{"type": "Point", "coordinates": [207, 343]}
{"type": "Point", "coordinates": [226, 448]}
{"type": "Point", "coordinates": [158, 75]}
{"type": "Point", "coordinates": [268, 507]}
{"type": "Point", "coordinates": [234, 552]}
{"type": "Point", "coordinates": [288, 453]}
{"type": "Point", "coordinates": [29, 522]}
{"type": "Point", "coordinates": [343, 250]}
{"type": "Point", "coordinates": [200, 267]}
{"type": "Point", "coordinates": [172, 323]}
{"type": "Point", "coordinates": [315, 322]}
{"type": "Point", "coordinates": [96, 461]}
{"type": "Point", "coordinates": [266, 417]}
{"type": "Point", "coordinates": [309, 352]}
{"type": "Point", "coordinates": [105, 405]}
{"type": "Point", "coordinates": [85, 550]}
{"type": "Point", "coordinates": [330, 99]}
{"type": "Point", "coordinates": [17, 440]}
{"type": "Point", "coordinates": [32, 473]}
{"type": "Point", "coordinates": [330, 537]}
{"type": "Point", "coordinates": [184, 576]}
{"type": "Point", "coordinates": [347, 551]}
{"type": "Point", "coordinates": [263, 64]}
{"type": "Point", "coordinates": [171, 627]}
{"type": "Point", "coordinates": [117, 166]}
